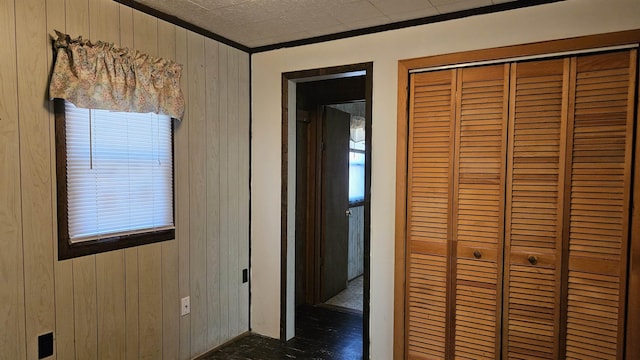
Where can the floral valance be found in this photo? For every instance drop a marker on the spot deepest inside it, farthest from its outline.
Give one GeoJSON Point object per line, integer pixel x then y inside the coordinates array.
{"type": "Point", "coordinates": [103, 76]}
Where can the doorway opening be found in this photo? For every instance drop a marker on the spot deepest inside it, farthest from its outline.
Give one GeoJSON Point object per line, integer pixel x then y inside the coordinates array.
{"type": "Point", "coordinates": [326, 177]}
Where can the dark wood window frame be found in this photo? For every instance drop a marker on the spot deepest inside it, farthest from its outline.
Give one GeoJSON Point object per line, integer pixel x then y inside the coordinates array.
{"type": "Point", "coordinates": [68, 250]}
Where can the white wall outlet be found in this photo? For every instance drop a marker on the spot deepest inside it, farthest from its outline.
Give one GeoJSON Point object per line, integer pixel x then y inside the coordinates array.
{"type": "Point", "coordinates": [185, 306]}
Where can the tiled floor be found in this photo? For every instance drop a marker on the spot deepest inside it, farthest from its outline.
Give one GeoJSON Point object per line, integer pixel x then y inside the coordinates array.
{"type": "Point", "coordinates": [351, 297]}
{"type": "Point", "coordinates": [321, 334]}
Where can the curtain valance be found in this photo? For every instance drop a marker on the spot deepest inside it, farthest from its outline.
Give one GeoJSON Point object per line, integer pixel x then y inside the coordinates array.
{"type": "Point", "coordinates": [103, 76]}
{"type": "Point", "coordinates": [357, 128]}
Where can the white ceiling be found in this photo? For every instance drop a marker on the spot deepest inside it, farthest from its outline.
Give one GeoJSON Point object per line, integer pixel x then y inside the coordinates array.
{"type": "Point", "coordinates": [257, 23]}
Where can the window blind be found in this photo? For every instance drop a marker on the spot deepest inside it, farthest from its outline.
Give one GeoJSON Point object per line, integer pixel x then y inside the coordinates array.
{"type": "Point", "coordinates": [119, 173]}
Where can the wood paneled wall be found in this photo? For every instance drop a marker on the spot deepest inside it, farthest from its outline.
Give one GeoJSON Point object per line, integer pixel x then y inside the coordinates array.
{"type": "Point", "coordinates": [356, 242]}
{"type": "Point", "coordinates": [125, 303]}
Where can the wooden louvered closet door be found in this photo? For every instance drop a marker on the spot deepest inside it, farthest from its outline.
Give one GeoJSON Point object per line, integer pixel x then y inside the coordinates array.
{"type": "Point", "coordinates": [478, 218]}
{"type": "Point", "coordinates": [601, 119]}
{"type": "Point", "coordinates": [534, 237]}
{"type": "Point", "coordinates": [429, 213]}
{"type": "Point", "coordinates": [518, 208]}
{"type": "Point", "coordinates": [568, 194]}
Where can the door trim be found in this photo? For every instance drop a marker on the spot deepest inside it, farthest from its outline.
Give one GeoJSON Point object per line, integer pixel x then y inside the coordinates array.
{"type": "Point", "coordinates": [316, 74]}
{"type": "Point", "coordinates": [538, 49]}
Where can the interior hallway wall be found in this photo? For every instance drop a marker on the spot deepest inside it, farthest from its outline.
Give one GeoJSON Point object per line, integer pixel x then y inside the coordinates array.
{"type": "Point", "coordinates": [558, 20]}
{"type": "Point", "coordinates": [356, 242]}
{"type": "Point", "coordinates": [125, 303]}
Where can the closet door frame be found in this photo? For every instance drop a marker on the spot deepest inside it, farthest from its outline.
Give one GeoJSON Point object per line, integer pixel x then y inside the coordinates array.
{"type": "Point", "coordinates": [538, 49]}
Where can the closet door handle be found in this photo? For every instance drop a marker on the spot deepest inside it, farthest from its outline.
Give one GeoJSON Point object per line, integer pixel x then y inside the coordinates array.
{"type": "Point", "coordinates": [477, 254]}
{"type": "Point", "coordinates": [533, 259]}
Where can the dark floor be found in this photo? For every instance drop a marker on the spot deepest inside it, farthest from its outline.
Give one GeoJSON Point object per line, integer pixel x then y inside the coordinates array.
{"type": "Point", "coordinates": [321, 333]}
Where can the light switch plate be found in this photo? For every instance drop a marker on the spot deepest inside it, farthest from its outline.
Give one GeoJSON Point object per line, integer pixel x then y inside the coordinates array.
{"type": "Point", "coordinates": [185, 306]}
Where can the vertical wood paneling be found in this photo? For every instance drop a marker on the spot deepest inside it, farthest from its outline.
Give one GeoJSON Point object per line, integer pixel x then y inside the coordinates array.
{"type": "Point", "coordinates": [101, 21]}
{"type": "Point", "coordinates": [131, 304]}
{"type": "Point", "coordinates": [84, 307]}
{"type": "Point", "coordinates": [111, 304]}
{"type": "Point", "coordinates": [35, 170]}
{"type": "Point", "coordinates": [123, 304]}
{"type": "Point", "coordinates": [233, 271]}
{"type": "Point", "coordinates": [223, 127]}
{"type": "Point", "coordinates": [356, 242]}
{"type": "Point", "coordinates": [150, 301]}
{"type": "Point", "coordinates": [182, 176]}
{"type": "Point", "coordinates": [170, 266]}
{"type": "Point", "coordinates": [170, 301]}
{"type": "Point", "coordinates": [84, 276]}
{"type": "Point", "coordinates": [77, 17]}
{"type": "Point", "coordinates": [197, 191]}
{"type": "Point", "coordinates": [125, 20]}
{"type": "Point", "coordinates": [244, 144]}
{"type": "Point", "coordinates": [213, 190]}
{"type": "Point", "coordinates": [63, 270]}
{"type": "Point", "coordinates": [12, 335]}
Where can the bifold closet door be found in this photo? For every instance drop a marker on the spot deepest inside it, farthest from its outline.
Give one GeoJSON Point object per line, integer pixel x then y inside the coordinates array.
{"type": "Point", "coordinates": [601, 121]}
{"type": "Point", "coordinates": [518, 208]}
{"type": "Point", "coordinates": [455, 212]}
{"type": "Point", "coordinates": [478, 217]}
{"type": "Point", "coordinates": [534, 230]}
{"type": "Point", "coordinates": [568, 193]}
{"type": "Point", "coordinates": [429, 192]}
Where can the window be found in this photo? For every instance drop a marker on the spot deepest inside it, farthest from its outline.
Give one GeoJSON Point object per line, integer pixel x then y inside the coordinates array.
{"type": "Point", "coordinates": [115, 179]}
{"type": "Point", "coordinates": [356, 172]}
{"type": "Point", "coordinates": [356, 176]}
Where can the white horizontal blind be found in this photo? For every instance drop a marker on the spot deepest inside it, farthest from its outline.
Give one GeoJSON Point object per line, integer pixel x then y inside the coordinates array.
{"type": "Point", "coordinates": [119, 173]}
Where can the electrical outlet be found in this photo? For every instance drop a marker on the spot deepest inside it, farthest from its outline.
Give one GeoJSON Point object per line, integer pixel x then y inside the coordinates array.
{"type": "Point", "coordinates": [45, 345]}
{"type": "Point", "coordinates": [185, 306]}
